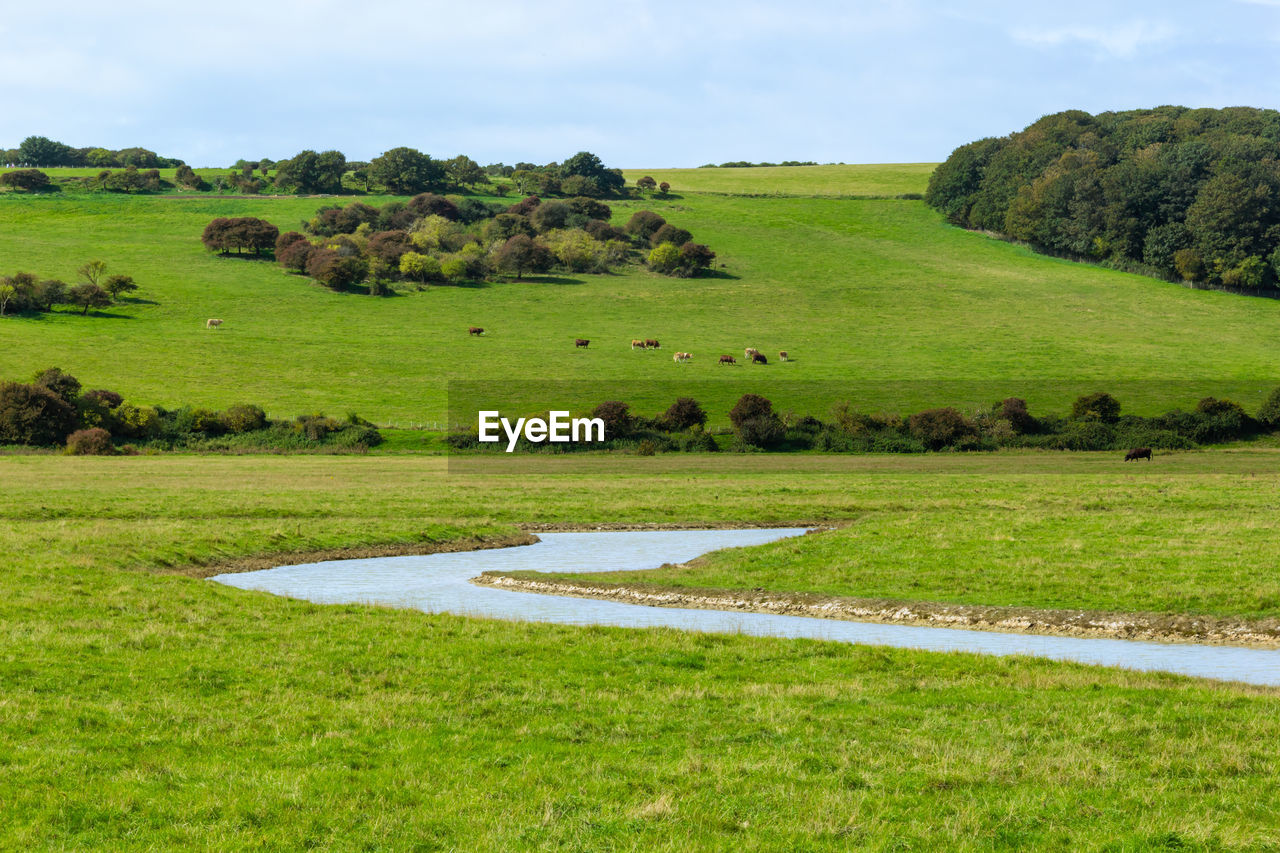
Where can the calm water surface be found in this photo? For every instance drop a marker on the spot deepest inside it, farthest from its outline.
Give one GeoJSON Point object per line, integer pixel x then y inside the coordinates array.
{"type": "Point", "coordinates": [439, 583]}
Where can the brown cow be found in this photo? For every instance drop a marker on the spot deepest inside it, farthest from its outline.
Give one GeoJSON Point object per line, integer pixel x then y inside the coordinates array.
{"type": "Point", "coordinates": [782, 356]}
{"type": "Point", "coordinates": [749, 352]}
{"type": "Point", "coordinates": [650, 343]}
{"type": "Point", "coordinates": [475, 330]}
{"type": "Point", "coordinates": [1138, 453]}
{"type": "Point", "coordinates": [637, 344]}
{"type": "Point", "coordinates": [681, 357]}
{"type": "Point", "coordinates": [759, 358]}
{"type": "Point", "coordinates": [212, 323]}
{"type": "Point", "coordinates": [581, 343]}
{"type": "Point", "coordinates": [727, 359]}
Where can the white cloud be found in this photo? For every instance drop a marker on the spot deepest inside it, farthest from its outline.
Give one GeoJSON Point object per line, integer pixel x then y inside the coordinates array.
{"type": "Point", "coordinates": [1122, 41]}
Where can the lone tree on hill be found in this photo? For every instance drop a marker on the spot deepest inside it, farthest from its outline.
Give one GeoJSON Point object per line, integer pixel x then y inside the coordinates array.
{"type": "Point", "coordinates": [27, 180]}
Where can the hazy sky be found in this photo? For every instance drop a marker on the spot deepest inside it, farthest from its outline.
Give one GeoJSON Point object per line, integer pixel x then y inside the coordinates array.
{"type": "Point", "coordinates": [641, 84]}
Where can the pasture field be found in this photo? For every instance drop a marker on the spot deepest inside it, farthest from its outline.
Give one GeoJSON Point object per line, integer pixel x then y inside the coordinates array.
{"type": "Point", "coordinates": [878, 301]}
{"type": "Point", "coordinates": [881, 180]}
{"type": "Point", "coordinates": [143, 708]}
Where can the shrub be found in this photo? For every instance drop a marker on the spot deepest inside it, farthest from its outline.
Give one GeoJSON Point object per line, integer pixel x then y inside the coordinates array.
{"type": "Point", "coordinates": [90, 442]}
{"type": "Point", "coordinates": [420, 268]}
{"type": "Point", "coordinates": [550, 215]}
{"type": "Point", "coordinates": [34, 415]}
{"type": "Point", "coordinates": [755, 422]}
{"type": "Point", "coordinates": [695, 257]}
{"type": "Point", "coordinates": [110, 399]}
{"type": "Point", "coordinates": [137, 421]}
{"type": "Point", "coordinates": [244, 418]}
{"type": "Point", "coordinates": [893, 442]}
{"type": "Point", "coordinates": [683, 414]}
{"type": "Point", "coordinates": [27, 180]}
{"type": "Point", "coordinates": [1014, 410]}
{"type": "Point", "coordinates": [643, 223]}
{"type": "Point", "coordinates": [665, 259]}
{"type": "Point", "coordinates": [63, 384]}
{"type": "Point", "coordinates": [1269, 414]}
{"type": "Point", "coordinates": [295, 255]}
{"type": "Point", "coordinates": [1085, 435]}
{"type": "Point", "coordinates": [1096, 406]}
{"type": "Point", "coordinates": [603, 231]}
{"type": "Point", "coordinates": [336, 271]}
{"type": "Point", "coordinates": [668, 233]}
{"type": "Point", "coordinates": [939, 428]}
{"type": "Point", "coordinates": [315, 427]}
{"type": "Point", "coordinates": [617, 417]}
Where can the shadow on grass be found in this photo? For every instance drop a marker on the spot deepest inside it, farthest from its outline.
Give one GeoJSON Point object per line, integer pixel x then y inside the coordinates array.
{"type": "Point", "coordinates": [722, 274]}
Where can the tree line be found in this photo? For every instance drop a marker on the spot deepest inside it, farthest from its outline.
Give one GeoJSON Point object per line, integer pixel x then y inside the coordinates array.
{"type": "Point", "coordinates": [1186, 194]}
{"type": "Point", "coordinates": [1095, 423]}
{"type": "Point", "coordinates": [433, 239]}
{"type": "Point", "coordinates": [53, 410]}
{"type": "Point", "coordinates": [43, 152]}
{"type": "Point", "coordinates": [25, 292]}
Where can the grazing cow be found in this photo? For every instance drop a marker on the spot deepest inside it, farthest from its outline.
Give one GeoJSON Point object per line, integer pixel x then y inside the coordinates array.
{"type": "Point", "coordinates": [681, 357]}
{"type": "Point", "coordinates": [650, 343]}
{"type": "Point", "coordinates": [750, 352]}
{"type": "Point", "coordinates": [727, 359]}
{"type": "Point", "coordinates": [212, 323]}
{"type": "Point", "coordinates": [475, 330]}
{"type": "Point", "coordinates": [759, 358]}
{"type": "Point", "coordinates": [581, 343]}
{"type": "Point", "coordinates": [782, 356]}
{"type": "Point", "coordinates": [637, 344]}
{"type": "Point", "coordinates": [1138, 453]}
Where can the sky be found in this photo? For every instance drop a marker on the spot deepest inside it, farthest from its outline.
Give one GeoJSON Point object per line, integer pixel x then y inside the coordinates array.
{"type": "Point", "coordinates": [641, 84]}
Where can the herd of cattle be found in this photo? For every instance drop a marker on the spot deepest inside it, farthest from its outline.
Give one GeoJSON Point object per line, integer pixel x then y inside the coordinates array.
{"type": "Point", "coordinates": [750, 354]}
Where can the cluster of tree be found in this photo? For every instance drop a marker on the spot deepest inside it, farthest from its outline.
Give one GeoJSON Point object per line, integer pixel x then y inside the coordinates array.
{"type": "Point", "coordinates": [1187, 194]}
{"type": "Point", "coordinates": [239, 233]}
{"type": "Point", "coordinates": [434, 238]}
{"type": "Point", "coordinates": [583, 174]}
{"type": "Point", "coordinates": [743, 164]}
{"type": "Point", "coordinates": [27, 292]}
{"type": "Point", "coordinates": [52, 411]}
{"type": "Point", "coordinates": [25, 180]}
{"type": "Point", "coordinates": [648, 184]}
{"type": "Point", "coordinates": [40, 151]}
{"type": "Point", "coordinates": [1095, 423]}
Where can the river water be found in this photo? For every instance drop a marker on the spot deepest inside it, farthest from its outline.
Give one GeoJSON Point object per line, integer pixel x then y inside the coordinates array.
{"type": "Point", "coordinates": [440, 583]}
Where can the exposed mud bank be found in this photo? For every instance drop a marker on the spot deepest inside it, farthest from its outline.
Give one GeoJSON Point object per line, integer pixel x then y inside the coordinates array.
{"type": "Point", "coordinates": [355, 552]}
{"type": "Point", "coordinates": [1018, 620]}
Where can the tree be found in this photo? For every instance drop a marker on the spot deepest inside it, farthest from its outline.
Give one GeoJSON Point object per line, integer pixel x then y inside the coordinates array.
{"type": "Point", "coordinates": [48, 293]}
{"type": "Point", "coordinates": [694, 258]}
{"type": "Point", "coordinates": [588, 165]}
{"type": "Point", "coordinates": [617, 418]}
{"type": "Point", "coordinates": [522, 254]}
{"type": "Point", "coordinates": [668, 233]}
{"type": "Point", "coordinates": [664, 188]}
{"type": "Point", "coordinates": [243, 232]}
{"type": "Point", "coordinates": [7, 292]}
{"type": "Point", "coordinates": [26, 180]}
{"type": "Point", "coordinates": [91, 271]}
{"type": "Point", "coordinates": [310, 172]}
{"type": "Point", "coordinates": [59, 382]}
{"type": "Point", "coordinates": [405, 171]}
{"type": "Point", "coordinates": [88, 296]}
{"type": "Point", "coordinates": [465, 172]}
{"type": "Point", "coordinates": [646, 183]}
{"type": "Point", "coordinates": [42, 151]}
{"type": "Point", "coordinates": [118, 285]}
{"type": "Point", "coordinates": [187, 177]}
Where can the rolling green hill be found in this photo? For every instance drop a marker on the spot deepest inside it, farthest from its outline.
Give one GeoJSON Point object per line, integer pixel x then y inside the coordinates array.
{"type": "Point", "coordinates": [878, 301]}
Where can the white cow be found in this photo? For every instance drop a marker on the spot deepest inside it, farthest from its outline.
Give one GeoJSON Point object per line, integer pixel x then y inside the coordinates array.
{"type": "Point", "coordinates": [212, 323]}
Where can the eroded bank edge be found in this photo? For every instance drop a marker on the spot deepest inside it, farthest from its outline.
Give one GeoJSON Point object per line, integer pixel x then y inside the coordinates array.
{"type": "Point", "coordinates": [1168, 628]}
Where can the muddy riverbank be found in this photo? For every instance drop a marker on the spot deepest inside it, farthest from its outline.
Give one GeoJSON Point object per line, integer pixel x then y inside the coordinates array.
{"type": "Point", "coordinates": [1018, 620]}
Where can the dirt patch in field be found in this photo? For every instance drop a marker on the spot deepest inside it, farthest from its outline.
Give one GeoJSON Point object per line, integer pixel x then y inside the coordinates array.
{"type": "Point", "coordinates": [356, 552]}
{"type": "Point", "coordinates": [1016, 620]}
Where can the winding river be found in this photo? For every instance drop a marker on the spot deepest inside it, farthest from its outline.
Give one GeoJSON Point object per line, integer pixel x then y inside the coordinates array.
{"type": "Point", "coordinates": [438, 583]}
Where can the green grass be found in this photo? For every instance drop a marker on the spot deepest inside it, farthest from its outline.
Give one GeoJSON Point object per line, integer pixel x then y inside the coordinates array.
{"type": "Point", "coordinates": [141, 710]}
{"type": "Point", "coordinates": [877, 301]}
{"type": "Point", "coordinates": [1191, 533]}
{"type": "Point", "coordinates": [887, 179]}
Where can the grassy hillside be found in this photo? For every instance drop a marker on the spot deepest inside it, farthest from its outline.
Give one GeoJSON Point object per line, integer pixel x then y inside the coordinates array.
{"type": "Point", "coordinates": [142, 710]}
{"type": "Point", "coordinates": [888, 179]}
{"type": "Point", "coordinates": [877, 301]}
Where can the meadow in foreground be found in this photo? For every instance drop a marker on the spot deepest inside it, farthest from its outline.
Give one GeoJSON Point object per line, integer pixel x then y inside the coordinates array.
{"type": "Point", "coordinates": [144, 708]}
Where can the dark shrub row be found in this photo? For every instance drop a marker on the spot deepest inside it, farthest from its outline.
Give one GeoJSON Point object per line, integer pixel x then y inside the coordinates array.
{"type": "Point", "coordinates": [52, 410]}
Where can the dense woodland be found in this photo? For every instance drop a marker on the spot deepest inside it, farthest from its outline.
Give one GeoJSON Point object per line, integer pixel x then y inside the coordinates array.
{"type": "Point", "coordinates": [1187, 194]}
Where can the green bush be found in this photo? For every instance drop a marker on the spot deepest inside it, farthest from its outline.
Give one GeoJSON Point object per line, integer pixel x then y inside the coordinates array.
{"type": "Point", "coordinates": [939, 428]}
{"type": "Point", "coordinates": [244, 418]}
{"type": "Point", "coordinates": [1269, 414]}
{"type": "Point", "coordinates": [1099, 406]}
{"type": "Point", "coordinates": [1085, 435]}
{"type": "Point", "coordinates": [33, 415]}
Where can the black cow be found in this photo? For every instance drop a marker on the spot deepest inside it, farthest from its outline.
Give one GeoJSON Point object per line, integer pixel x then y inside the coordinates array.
{"type": "Point", "coordinates": [1138, 453]}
